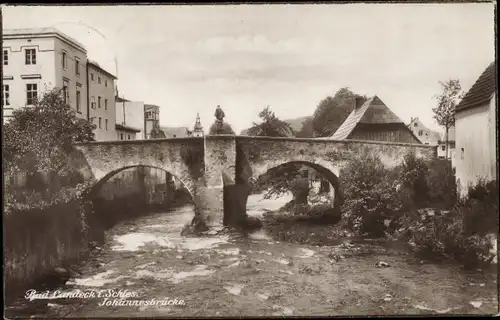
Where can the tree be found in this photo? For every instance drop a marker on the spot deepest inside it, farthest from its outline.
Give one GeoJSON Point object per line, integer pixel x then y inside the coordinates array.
{"type": "Point", "coordinates": [444, 113]}
{"type": "Point", "coordinates": [40, 139]}
{"type": "Point", "coordinates": [220, 128]}
{"type": "Point", "coordinates": [332, 112]}
{"type": "Point", "coordinates": [271, 126]}
{"type": "Point", "coordinates": [307, 130]}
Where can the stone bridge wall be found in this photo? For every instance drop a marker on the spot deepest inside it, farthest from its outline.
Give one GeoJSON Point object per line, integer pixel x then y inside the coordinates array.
{"type": "Point", "coordinates": [104, 159]}
{"type": "Point", "coordinates": [206, 165]}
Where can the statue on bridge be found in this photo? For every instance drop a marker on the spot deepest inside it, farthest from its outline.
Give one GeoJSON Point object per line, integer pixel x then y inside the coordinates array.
{"type": "Point", "coordinates": [219, 114]}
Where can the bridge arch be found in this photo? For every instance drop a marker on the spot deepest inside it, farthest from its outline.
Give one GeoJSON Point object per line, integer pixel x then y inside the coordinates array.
{"type": "Point", "coordinates": [325, 168]}
{"type": "Point", "coordinates": [185, 180]}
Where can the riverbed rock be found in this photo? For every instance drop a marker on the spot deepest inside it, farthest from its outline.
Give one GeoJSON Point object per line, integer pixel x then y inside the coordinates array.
{"type": "Point", "coordinates": [382, 264]}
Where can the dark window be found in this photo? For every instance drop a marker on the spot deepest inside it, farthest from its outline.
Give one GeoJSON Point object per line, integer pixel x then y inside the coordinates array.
{"type": "Point", "coordinates": [92, 104]}
{"type": "Point", "coordinates": [31, 93]}
{"type": "Point", "coordinates": [415, 124]}
{"type": "Point", "coordinates": [105, 104]}
{"type": "Point", "coordinates": [6, 57]}
{"type": "Point", "coordinates": [420, 132]}
{"type": "Point", "coordinates": [99, 102]}
{"type": "Point", "coordinates": [463, 154]}
{"type": "Point", "coordinates": [78, 100]}
{"type": "Point", "coordinates": [443, 148]}
{"type": "Point", "coordinates": [105, 83]}
{"type": "Point", "coordinates": [30, 56]}
{"type": "Point", "coordinates": [64, 60]}
{"type": "Point", "coordinates": [100, 123]}
{"type": "Point", "coordinates": [106, 124]}
{"type": "Point", "coordinates": [129, 137]}
{"type": "Point", "coordinates": [92, 76]}
{"type": "Point", "coordinates": [66, 91]}
{"type": "Point", "coordinates": [98, 79]}
{"type": "Point", "coordinates": [121, 136]}
{"type": "Point", "coordinates": [77, 66]}
{"type": "Point", "coordinates": [6, 95]}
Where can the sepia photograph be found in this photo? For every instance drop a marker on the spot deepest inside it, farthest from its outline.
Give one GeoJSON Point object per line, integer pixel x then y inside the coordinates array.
{"type": "Point", "coordinates": [249, 160]}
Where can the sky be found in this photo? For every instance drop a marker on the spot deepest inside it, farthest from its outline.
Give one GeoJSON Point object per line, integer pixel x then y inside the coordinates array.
{"type": "Point", "coordinates": [189, 59]}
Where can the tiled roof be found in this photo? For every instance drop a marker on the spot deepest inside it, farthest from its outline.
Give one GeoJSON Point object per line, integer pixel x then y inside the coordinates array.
{"type": "Point", "coordinates": [481, 91]}
{"type": "Point", "coordinates": [372, 111]}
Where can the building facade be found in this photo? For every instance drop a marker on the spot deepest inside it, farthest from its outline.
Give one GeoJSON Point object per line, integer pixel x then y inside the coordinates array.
{"type": "Point", "coordinates": [124, 132]}
{"type": "Point", "coordinates": [130, 114]}
{"type": "Point", "coordinates": [101, 96]}
{"type": "Point", "coordinates": [151, 119]}
{"type": "Point", "coordinates": [441, 152]}
{"type": "Point", "coordinates": [423, 134]}
{"type": "Point", "coordinates": [39, 59]}
{"type": "Point", "coordinates": [476, 133]}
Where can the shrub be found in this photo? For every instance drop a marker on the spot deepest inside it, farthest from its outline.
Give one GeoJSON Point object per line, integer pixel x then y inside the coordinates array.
{"type": "Point", "coordinates": [371, 195]}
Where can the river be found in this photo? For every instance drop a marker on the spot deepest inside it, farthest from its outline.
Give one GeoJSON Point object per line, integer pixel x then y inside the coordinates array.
{"type": "Point", "coordinates": [147, 263]}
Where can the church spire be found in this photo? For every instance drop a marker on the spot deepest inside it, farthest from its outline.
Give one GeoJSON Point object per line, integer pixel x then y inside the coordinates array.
{"type": "Point", "coordinates": [198, 128]}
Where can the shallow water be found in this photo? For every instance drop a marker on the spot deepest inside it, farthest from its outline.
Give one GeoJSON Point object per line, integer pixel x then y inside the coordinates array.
{"type": "Point", "coordinates": [225, 275]}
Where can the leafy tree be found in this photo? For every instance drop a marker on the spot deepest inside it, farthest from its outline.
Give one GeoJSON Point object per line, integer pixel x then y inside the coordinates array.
{"type": "Point", "coordinates": [307, 130]}
{"type": "Point", "coordinates": [271, 126]}
{"type": "Point", "coordinates": [220, 128]}
{"type": "Point", "coordinates": [332, 112]}
{"type": "Point", "coordinates": [39, 139]}
{"type": "Point", "coordinates": [447, 100]}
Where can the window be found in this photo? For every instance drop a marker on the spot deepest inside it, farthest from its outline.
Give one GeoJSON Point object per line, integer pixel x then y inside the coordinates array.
{"type": "Point", "coordinates": [443, 148]}
{"type": "Point", "coordinates": [6, 95]}
{"type": "Point", "coordinates": [31, 93]}
{"type": "Point", "coordinates": [462, 154]}
{"type": "Point", "coordinates": [64, 60]}
{"type": "Point", "coordinates": [6, 57]}
{"type": "Point", "coordinates": [106, 83]}
{"type": "Point", "coordinates": [420, 132]}
{"type": "Point", "coordinates": [100, 123]}
{"type": "Point", "coordinates": [129, 137]}
{"type": "Point", "coordinates": [105, 104]}
{"type": "Point", "coordinates": [92, 104]}
{"type": "Point", "coordinates": [77, 66]}
{"type": "Point", "coordinates": [415, 124]}
{"type": "Point", "coordinates": [92, 76]}
{"type": "Point", "coordinates": [98, 80]}
{"type": "Point", "coordinates": [78, 100]}
{"type": "Point", "coordinates": [66, 91]}
{"type": "Point", "coordinates": [30, 56]}
{"type": "Point", "coordinates": [106, 124]}
{"type": "Point", "coordinates": [99, 102]}
{"type": "Point", "coordinates": [121, 136]}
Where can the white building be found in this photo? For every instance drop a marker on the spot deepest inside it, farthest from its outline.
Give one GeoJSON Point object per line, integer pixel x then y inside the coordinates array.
{"type": "Point", "coordinates": [475, 125]}
{"type": "Point", "coordinates": [423, 134]}
{"type": "Point", "coordinates": [441, 151]}
{"type": "Point", "coordinates": [130, 114]}
{"type": "Point", "coordinates": [101, 94]}
{"type": "Point", "coordinates": [39, 59]}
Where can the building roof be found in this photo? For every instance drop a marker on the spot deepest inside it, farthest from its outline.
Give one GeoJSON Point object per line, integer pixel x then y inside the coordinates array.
{"type": "Point", "coordinates": [151, 106]}
{"type": "Point", "coordinates": [481, 91]}
{"type": "Point", "coordinates": [373, 111]}
{"type": "Point", "coordinates": [175, 132]}
{"type": "Point", "coordinates": [126, 128]}
{"type": "Point", "coordinates": [41, 32]}
{"type": "Point", "coordinates": [118, 99]}
{"type": "Point", "coordinates": [97, 66]}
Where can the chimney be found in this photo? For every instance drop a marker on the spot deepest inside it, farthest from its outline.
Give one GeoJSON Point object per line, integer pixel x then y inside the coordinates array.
{"type": "Point", "coordinates": [359, 102]}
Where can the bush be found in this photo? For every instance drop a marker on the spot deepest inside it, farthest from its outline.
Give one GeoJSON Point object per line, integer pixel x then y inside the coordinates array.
{"type": "Point", "coordinates": [371, 195]}
{"type": "Point", "coordinates": [464, 233]}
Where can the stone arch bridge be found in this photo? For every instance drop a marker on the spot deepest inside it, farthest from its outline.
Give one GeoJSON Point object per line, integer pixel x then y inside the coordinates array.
{"type": "Point", "coordinates": [206, 164]}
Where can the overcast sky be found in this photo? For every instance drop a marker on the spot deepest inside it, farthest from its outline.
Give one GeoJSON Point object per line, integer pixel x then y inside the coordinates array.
{"type": "Point", "coordinates": [189, 59]}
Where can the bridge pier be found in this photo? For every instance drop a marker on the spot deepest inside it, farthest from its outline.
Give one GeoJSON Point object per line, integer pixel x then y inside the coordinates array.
{"type": "Point", "coordinates": [210, 205]}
